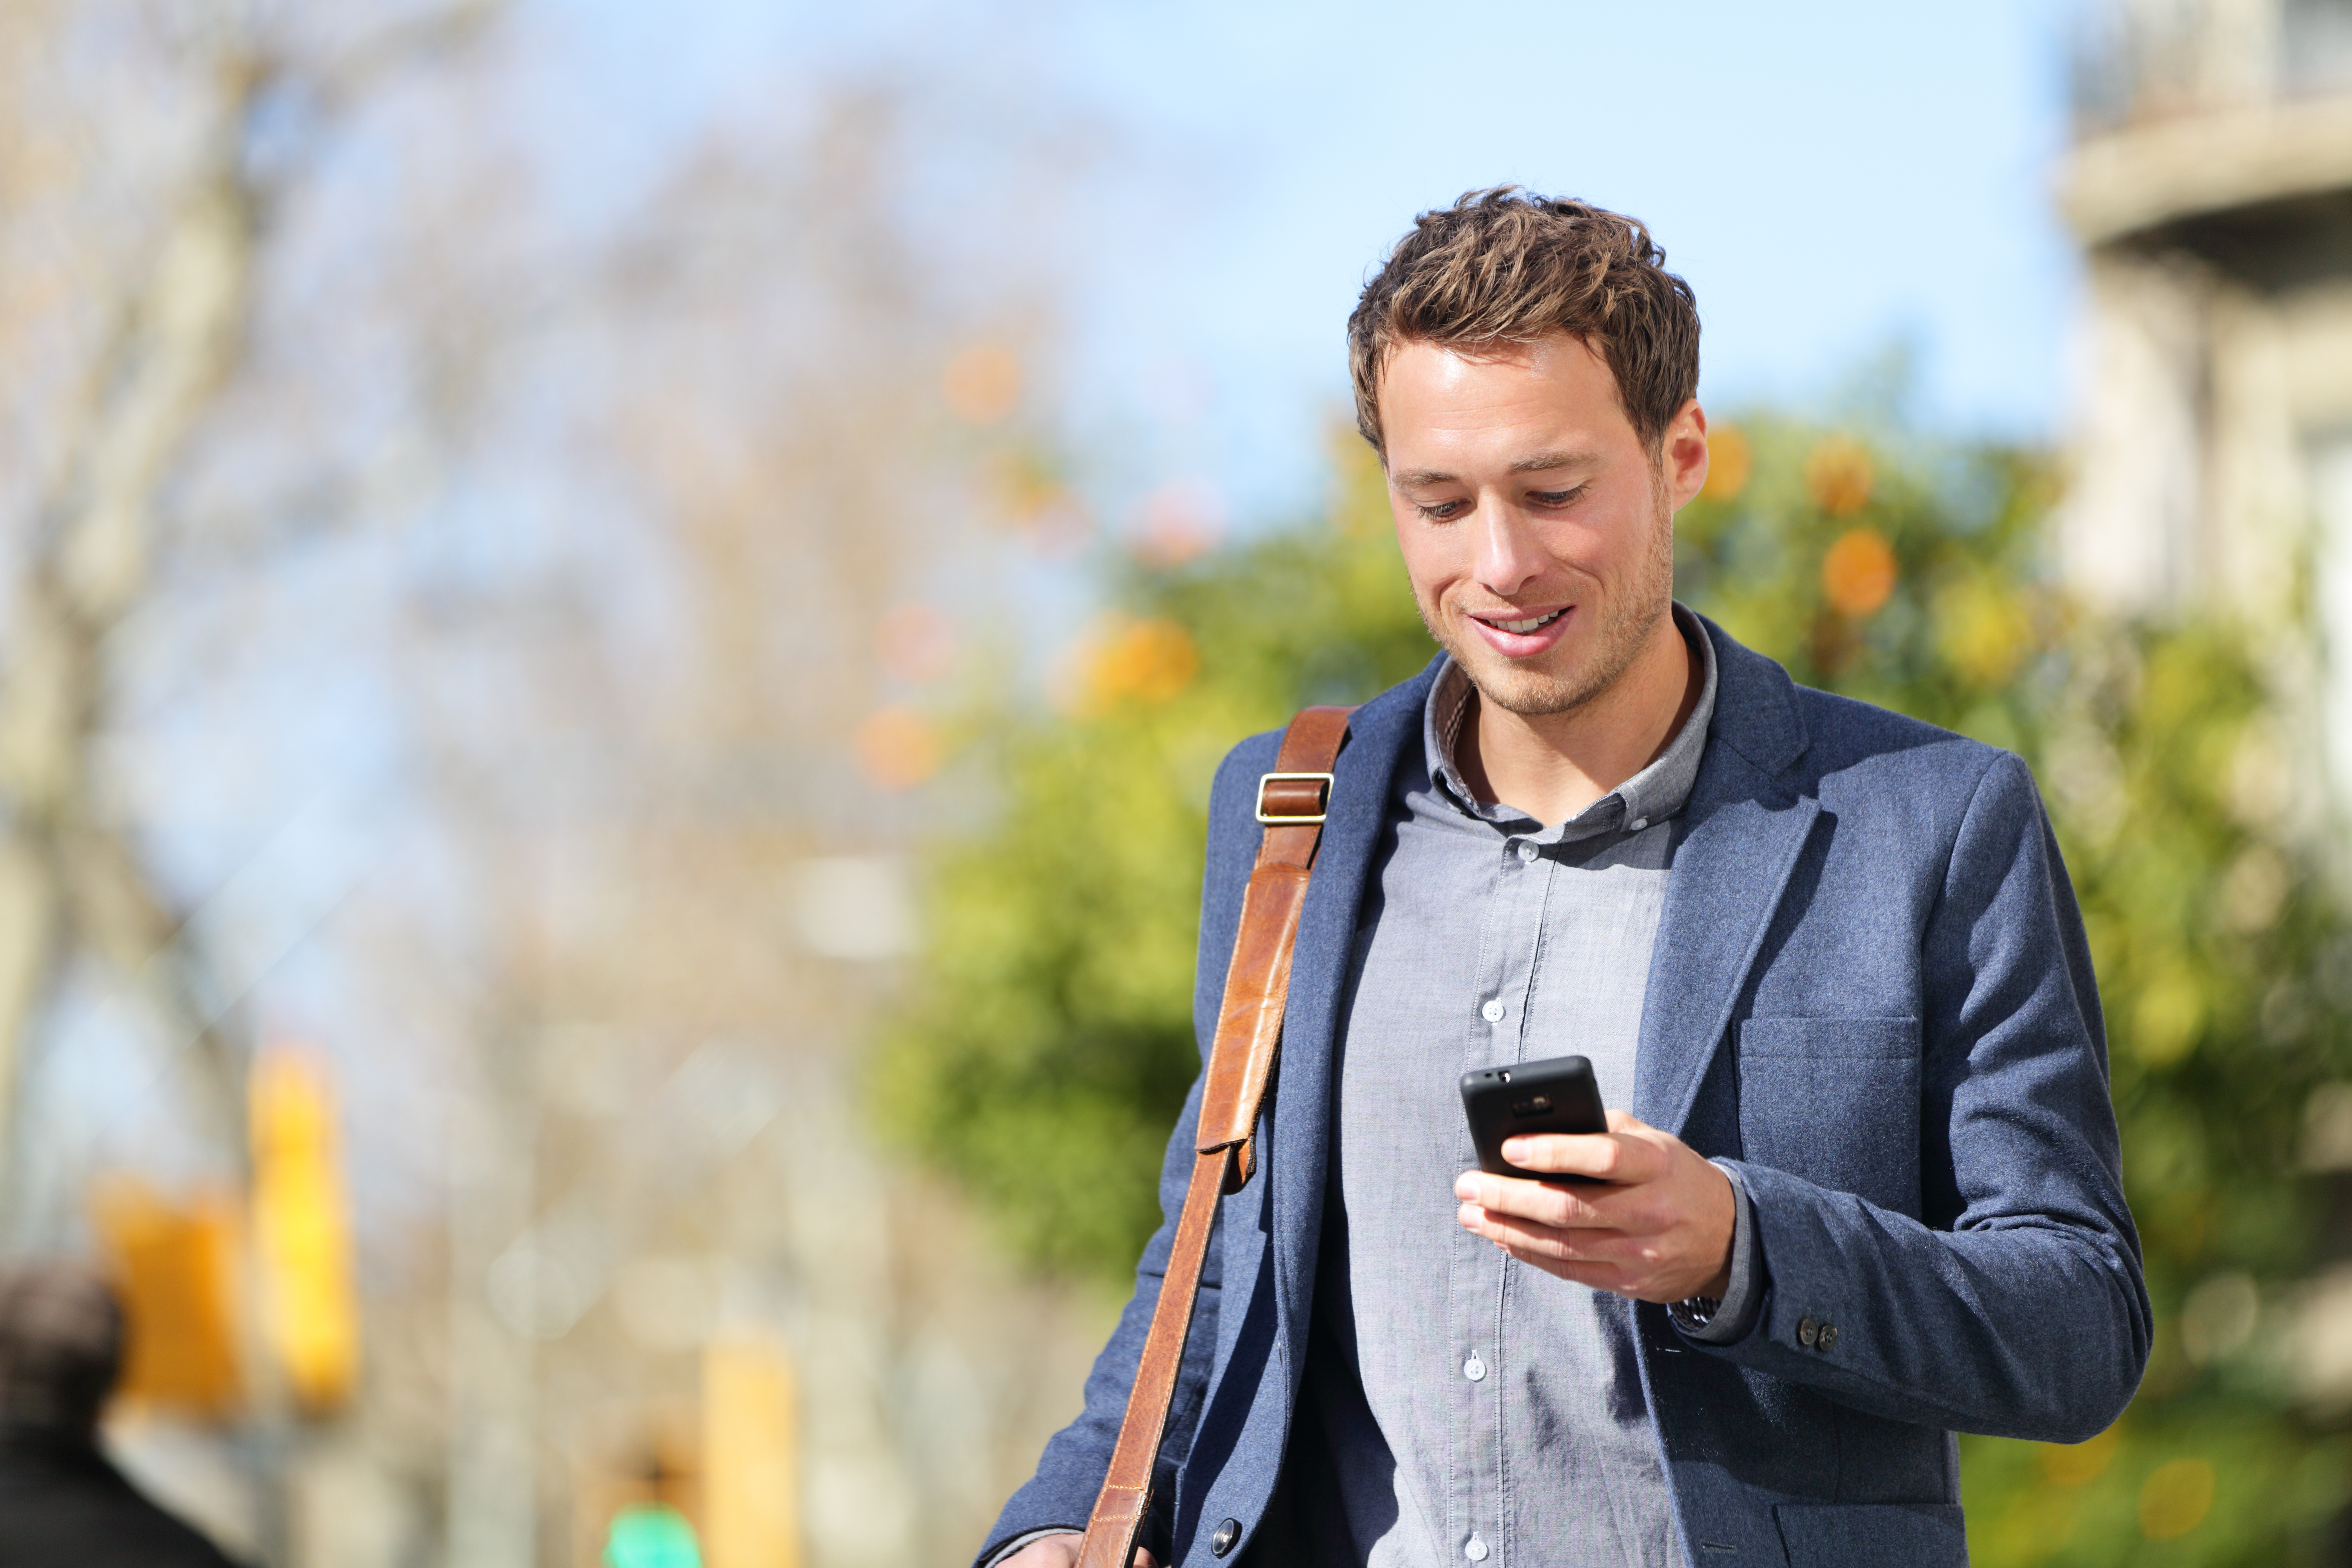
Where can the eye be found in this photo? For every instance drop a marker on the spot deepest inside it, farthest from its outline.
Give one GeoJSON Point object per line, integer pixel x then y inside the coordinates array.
{"type": "Point", "coordinates": [1441, 511]}
{"type": "Point", "coordinates": [1555, 498]}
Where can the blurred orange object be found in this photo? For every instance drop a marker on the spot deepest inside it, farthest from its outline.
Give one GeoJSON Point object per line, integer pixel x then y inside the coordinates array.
{"type": "Point", "coordinates": [751, 1456]}
{"type": "Point", "coordinates": [1858, 572]}
{"type": "Point", "coordinates": [897, 748]}
{"type": "Point", "coordinates": [982, 383]}
{"type": "Point", "coordinates": [1151, 659]}
{"type": "Point", "coordinates": [1838, 476]}
{"type": "Point", "coordinates": [175, 1267]}
{"type": "Point", "coordinates": [1729, 461]}
{"type": "Point", "coordinates": [301, 1229]}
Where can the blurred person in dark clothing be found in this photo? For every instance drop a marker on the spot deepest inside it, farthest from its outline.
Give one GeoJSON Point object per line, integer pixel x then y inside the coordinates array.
{"type": "Point", "coordinates": [62, 1503]}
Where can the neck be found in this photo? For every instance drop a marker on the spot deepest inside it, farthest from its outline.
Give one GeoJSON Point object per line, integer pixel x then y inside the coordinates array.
{"type": "Point", "coordinates": [1553, 765]}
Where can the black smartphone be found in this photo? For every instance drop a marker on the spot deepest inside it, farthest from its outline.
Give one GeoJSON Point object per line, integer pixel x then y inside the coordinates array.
{"type": "Point", "coordinates": [1557, 1095]}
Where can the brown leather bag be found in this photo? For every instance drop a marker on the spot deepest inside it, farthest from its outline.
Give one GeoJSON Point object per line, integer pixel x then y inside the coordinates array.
{"type": "Point", "coordinates": [1290, 801]}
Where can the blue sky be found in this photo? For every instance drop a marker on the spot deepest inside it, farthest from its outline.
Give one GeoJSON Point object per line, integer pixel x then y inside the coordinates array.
{"type": "Point", "coordinates": [1836, 179]}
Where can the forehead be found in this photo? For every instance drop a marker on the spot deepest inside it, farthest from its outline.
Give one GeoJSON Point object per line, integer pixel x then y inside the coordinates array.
{"type": "Point", "coordinates": [1440, 397]}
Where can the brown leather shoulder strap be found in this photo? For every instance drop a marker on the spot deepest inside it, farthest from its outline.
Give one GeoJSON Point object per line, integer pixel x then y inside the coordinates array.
{"type": "Point", "coordinates": [1290, 801]}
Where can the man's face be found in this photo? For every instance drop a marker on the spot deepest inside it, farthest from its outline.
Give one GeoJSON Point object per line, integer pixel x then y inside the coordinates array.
{"type": "Point", "coordinates": [1537, 531]}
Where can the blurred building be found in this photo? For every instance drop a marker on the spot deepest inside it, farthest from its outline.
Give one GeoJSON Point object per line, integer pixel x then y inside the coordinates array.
{"type": "Point", "coordinates": [2211, 186]}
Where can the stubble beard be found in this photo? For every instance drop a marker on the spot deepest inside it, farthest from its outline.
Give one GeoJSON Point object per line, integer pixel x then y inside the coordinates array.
{"type": "Point", "coordinates": [1627, 619]}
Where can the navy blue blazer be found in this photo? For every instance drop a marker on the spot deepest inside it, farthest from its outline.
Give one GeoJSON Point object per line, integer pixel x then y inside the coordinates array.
{"type": "Point", "coordinates": [1870, 993]}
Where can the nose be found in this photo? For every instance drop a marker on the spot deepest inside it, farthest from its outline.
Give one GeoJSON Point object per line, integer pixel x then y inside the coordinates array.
{"type": "Point", "coordinates": [1508, 556]}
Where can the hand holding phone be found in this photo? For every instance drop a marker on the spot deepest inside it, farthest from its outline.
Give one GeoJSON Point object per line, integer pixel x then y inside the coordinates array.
{"type": "Point", "coordinates": [1659, 1227]}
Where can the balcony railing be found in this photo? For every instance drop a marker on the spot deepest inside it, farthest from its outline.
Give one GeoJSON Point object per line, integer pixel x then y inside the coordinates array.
{"type": "Point", "coordinates": [2142, 61]}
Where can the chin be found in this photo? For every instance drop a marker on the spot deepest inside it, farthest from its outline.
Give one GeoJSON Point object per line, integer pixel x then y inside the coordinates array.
{"type": "Point", "coordinates": [1557, 686]}
{"type": "Point", "coordinates": [1530, 693]}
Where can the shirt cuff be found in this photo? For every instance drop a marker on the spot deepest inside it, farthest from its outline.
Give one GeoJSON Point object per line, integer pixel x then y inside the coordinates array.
{"type": "Point", "coordinates": [1735, 1314]}
{"type": "Point", "coordinates": [1018, 1541]}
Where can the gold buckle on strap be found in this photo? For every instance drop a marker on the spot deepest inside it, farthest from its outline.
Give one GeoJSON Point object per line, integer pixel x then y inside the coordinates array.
{"type": "Point", "coordinates": [1289, 819]}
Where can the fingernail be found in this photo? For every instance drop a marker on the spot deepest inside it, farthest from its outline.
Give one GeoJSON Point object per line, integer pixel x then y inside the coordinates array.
{"type": "Point", "coordinates": [1472, 1214]}
{"type": "Point", "coordinates": [1465, 1185]}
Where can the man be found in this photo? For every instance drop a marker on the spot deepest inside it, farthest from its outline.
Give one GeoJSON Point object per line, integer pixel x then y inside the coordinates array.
{"type": "Point", "coordinates": [1864, 1190]}
{"type": "Point", "coordinates": [61, 1500]}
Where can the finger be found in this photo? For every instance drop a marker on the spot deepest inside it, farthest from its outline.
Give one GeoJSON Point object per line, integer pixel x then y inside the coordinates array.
{"type": "Point", "coordinates": [1566, 1244]}
{"type": "Point", "coordinates": [1597, 1276]}
{"type": "Point", "coordinates": [1591, 1258]}
{"type": "Point", "coordinates": [1547, 1202]}
{"type": "Point", "coordinates": [1628, 1267]}
{"type": "Point", "coordinates": [1610, 1156]}
{"type": "Point", "coordinates": [1580, 1154]}
{"type": "Point", "coordinates": [1145, 1560]}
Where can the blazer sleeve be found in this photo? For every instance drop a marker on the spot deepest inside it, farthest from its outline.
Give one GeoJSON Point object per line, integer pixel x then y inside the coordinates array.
{"type": "Point", "coordinates": [2015, 1306]}
{"type": "Point", "coordinates": [1061, 1495]}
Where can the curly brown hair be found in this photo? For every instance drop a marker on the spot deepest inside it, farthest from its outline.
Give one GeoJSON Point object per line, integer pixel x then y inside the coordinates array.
{"type": "Point", "coordinates": [1504, 266]}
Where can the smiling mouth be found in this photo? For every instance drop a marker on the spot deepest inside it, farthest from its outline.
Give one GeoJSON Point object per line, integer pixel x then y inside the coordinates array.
{"type": "Point", "coordinates": [1522, 627]}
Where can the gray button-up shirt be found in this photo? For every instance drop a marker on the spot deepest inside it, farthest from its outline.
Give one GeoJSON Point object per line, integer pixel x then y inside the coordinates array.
{"type": "Point", "coordinates": [1467, 1407]}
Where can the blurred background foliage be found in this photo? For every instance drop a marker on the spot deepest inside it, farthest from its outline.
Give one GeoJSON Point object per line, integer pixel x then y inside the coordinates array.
{"type": "Point", "coordinates": [1049, 1046]}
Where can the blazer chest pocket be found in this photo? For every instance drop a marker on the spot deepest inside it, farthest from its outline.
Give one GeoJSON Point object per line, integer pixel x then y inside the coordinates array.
{"type": "Point", "coordinates": [1836, 1100]}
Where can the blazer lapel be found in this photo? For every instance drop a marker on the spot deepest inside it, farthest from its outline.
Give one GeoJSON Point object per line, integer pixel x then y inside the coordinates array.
{"type": "Point", "coordinates": [1740, 835]}
{"type": "Point", "coordinates": [1378, 735]}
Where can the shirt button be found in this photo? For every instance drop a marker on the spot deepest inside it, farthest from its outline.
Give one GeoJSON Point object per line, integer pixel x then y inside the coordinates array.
{"type": "Point", "coordinates": [1475, 1550]}
{"type": "Point", "coordinates": [1493, 1011]}
{"type": "Point", "coordinates": [1808, 1331]}
{"type": "Point", "coordinates": [1527, 851]}
{"type": "Point", "coordinates": [1474, 1369]}
{"type": "Point", "coordinates": [1222, 1541]}
{"type": "Point", "coordinates": [1638, 824]}
{"type": "Point", "coordinates": [1828, 1338]}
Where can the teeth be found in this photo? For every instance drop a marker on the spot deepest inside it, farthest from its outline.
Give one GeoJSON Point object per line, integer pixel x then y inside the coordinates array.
{"type": "Point", "coordinates": [1524, 626]}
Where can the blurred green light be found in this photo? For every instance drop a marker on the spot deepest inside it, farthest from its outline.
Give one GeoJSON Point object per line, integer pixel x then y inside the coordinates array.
{"type": "Point", "coordinates": [651, 1535]}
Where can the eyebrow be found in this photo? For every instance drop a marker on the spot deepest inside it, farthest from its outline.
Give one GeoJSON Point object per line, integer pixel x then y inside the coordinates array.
{"type": "Point", "coordinates": [1542, 462]}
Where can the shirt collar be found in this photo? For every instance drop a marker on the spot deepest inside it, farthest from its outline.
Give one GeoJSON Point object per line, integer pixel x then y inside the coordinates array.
{"type": "Point", "coordinates": [1657, 791]}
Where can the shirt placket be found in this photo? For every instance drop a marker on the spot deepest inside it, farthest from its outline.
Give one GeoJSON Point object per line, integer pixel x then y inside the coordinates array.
{"type": "Point", "coordinates": [1509, 940]}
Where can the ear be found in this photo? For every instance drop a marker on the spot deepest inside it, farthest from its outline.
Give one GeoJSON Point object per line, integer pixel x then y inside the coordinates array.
{"type": "Point", "coordinates": [1682, 452]}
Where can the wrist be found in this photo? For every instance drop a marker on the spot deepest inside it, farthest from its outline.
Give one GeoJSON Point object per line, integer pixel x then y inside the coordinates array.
{"type": "Point", "coordinates": [1726, 1309]}
{"type": "Point", "coordinates": [1718, 1284]}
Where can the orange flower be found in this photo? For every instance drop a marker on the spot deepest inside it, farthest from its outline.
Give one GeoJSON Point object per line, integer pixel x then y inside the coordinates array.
{"type": "Point", "coordinates": [897, 748]}
{"type": "Point", "coordinates": [1150, 661]}
{"type": "Point", "coordinates": [982, 383]}
{"type": "Point", "coordinates": [1838, 476]}
{"type": "Point", "coordinates": [1729, 461]}
{"type": "Point", "coordinates": [1858, 572]}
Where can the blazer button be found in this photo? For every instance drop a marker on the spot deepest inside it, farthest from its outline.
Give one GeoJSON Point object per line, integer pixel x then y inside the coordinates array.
{"type": "Point", "coordinates": [1223, 1541]}
{"type": "Point", "coordinates": [1808, 1331]}
{"type": "Point", "coordinates": [1828, 1338]}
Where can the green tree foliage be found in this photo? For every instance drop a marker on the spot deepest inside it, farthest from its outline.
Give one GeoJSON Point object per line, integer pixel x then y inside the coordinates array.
{"type": "Point", "coordinates": [1050, 1045]}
